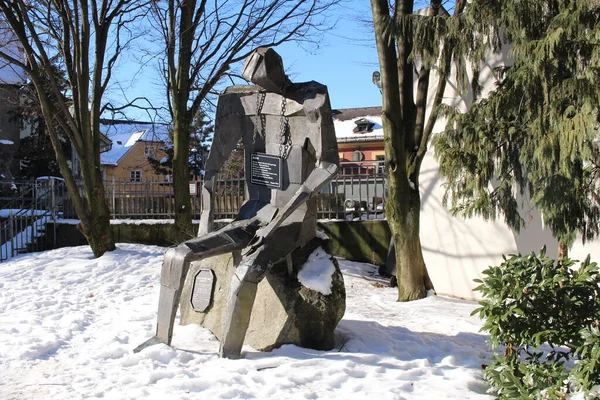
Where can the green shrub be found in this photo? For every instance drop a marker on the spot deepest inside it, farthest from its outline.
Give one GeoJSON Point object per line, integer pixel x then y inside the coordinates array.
{"type": "Point", "coordinates": [544, 313]}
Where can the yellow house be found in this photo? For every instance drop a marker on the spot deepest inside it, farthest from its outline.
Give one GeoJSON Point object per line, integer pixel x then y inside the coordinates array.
{"type": "Point", "coordinates": [132, 144]}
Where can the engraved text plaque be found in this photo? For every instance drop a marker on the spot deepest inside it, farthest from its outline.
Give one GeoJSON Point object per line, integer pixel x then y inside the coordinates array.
{"type": "Point", "coordinates": [266, 170]}
{"type": "Point", "coordinates": [202, 290]}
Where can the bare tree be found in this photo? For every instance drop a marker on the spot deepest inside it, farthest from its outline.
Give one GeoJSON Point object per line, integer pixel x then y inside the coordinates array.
{"type": "Point", "coordinates": [86, 39]}
{"type": "Point", "coordinates": [203, 40]}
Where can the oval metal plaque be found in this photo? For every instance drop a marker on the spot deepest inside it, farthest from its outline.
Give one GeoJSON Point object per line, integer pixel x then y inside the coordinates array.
{"type": "Point", "coordinates": [202, 290]}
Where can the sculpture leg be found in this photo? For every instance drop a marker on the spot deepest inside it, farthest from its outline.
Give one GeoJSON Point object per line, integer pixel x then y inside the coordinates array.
{"type": "Point", "coordinates": [176, 265]}
{"type": "Point", "coordinates": [174, 270]}
{"type": "Point", "coordinates": [242, 293]}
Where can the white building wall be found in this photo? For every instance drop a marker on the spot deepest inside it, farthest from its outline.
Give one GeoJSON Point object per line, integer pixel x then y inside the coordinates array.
{"type": "Point", "coordinates": [457, 250]}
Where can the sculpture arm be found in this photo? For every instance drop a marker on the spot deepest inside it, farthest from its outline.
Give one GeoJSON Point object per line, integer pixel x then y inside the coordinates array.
{"type": "Point", "coordinates": [207, 215]}
{"type": "Point", "coordinates": [228, 131]}
{"type": "Point", "coordinates": [317, 179]}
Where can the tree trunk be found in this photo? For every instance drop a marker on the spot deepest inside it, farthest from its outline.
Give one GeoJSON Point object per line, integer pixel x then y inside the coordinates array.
{"type": "Point", "coordinates": [99, 235]}
{"type": "Point", "coordinates": [563, 251]}
{"type": "Point", "coordinates": [403, 216]}
{"type": "Point", "coordinates": [181, 188]}
{"type": "Point", "coordinates": [403, 206]}
{"type": "Point", "coordinates": [96, 225]}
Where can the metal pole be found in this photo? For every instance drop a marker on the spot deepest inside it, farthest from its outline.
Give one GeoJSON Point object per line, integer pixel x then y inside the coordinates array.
{"type": "Point", "coordinates": [11, 233]}
{"type": "Point", "coordinates": [53, 216]}
{"type": "Point", "coordinates": [113, 197]}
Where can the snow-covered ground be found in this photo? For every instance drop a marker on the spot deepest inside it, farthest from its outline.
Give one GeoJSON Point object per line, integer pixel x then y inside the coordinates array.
{"type": "Point", "coordinates": [69, 323]}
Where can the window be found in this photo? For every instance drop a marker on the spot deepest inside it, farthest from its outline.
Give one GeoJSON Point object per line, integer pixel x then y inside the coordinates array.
{"type": "Point", "coordinates": [380, 163]}
{"type": "Point", "coordinates": [135, 175]}
{"type": "Point", "coordinates": [363, 125]}
{"type": "Point", "coordinates": [149, 151]}
{"type": "Point", "coordinates": [358, 155]}
{"type": "Point", "coordinates": [168, 179]}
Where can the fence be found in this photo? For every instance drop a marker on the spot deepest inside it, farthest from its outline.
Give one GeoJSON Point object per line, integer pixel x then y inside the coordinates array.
{"type": "Point", "coordinates": [346, 196]}
{"type": "Point", "coordinates": [358, 192]}
{"type": "Point", "coordinates": [154, 199]}
{"type": "Point", "coordinates": [25, 208]}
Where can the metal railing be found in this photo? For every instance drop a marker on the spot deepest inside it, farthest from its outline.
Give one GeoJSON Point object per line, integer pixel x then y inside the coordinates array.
{"type": "Point", "coordinates": [24, 214]}
{"type": "Point", "coordinates": [359, 191]}
{"type": "Point", "coordinates": [347, 196]}
{"type": "Point", "coordinates": [154, 199]}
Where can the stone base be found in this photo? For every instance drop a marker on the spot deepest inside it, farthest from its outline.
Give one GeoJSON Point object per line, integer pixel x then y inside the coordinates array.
{"type": "Point", "coordinates": [284, 312]}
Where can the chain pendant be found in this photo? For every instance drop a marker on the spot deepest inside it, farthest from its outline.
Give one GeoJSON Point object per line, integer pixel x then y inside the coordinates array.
{"type": "Point", "coordinates": [260, 102]}
{"type": "Point", "coordinates": [285, 137]}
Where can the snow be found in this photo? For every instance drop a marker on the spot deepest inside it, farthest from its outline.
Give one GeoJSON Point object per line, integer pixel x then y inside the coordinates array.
{"type": "Point", "coordinates": [48, 178]}
{"type": "Point", "coordinates": [4, 141]}
{"type": "Point", "coordinates": [322, 235]}
{"type": "Point", "coordinates": [67, 221]}
{"type": "Point", "coordinates": [5, 212]}
{"type": "Point", "coordinates": [317, 272]}
{"type": "Point", "coordinates": [128, 221]}
{"type": "Point", "coordinates": [69, 323]}
{"type": "Point", "coordinates": [594, 391]}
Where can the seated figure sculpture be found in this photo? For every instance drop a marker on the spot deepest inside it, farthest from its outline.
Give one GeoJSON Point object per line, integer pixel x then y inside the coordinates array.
{"type": "Point", "coordinates": [290, 154]}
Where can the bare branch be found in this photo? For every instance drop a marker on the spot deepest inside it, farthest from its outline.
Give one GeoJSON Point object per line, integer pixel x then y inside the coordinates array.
{"type": "Point", "coordinates": [70, 48]}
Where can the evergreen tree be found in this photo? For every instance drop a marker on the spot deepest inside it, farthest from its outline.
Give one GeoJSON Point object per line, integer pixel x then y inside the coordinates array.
{"type": "Point", "coordinates": [200, 139]}
{"type": "Point", "coordinates": [538, 133]}
{"type": "Point", "coordinates": [36, 153]}
{"type": "Point", "coordinates": [37, 156]}
{"type": "Point", "coordinates": [234, 166]}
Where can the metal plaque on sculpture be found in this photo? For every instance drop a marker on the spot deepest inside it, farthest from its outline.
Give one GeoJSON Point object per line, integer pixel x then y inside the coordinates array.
{"type": "Point", "coordinates": [266, 170]}
{"type": "Point", "coordinates": [202, 290]}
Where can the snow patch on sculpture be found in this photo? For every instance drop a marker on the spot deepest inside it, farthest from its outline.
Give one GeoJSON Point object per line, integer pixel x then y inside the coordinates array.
{"type": "Point", "coordinates": [316, 274]}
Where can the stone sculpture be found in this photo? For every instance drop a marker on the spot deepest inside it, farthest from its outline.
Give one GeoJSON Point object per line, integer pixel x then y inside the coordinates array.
{"type": "Point", "coordinates": [290, 154]}
{"type": "Point", "coordinates": [285, 311]}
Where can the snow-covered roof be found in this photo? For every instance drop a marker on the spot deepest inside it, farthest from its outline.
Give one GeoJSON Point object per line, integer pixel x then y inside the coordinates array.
{"type": "Point", "coordinates": [344, 121]}
{"type": "Point", "coordinates": [125, 134]}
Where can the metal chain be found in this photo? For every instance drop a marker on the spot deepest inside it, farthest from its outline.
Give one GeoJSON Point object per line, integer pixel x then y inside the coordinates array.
{"type": "Point", "coordinates": [260, 118]}
{"type": "Point", "coordinates": [285, 137]}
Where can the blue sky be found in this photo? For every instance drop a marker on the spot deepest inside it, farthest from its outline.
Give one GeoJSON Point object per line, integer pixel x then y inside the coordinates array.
{"type": "Point", "coordinates": [344, 61]}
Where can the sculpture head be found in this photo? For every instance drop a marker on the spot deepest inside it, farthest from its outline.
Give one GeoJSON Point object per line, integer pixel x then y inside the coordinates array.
{"type": "Point", "coordinates": [264, 68]}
